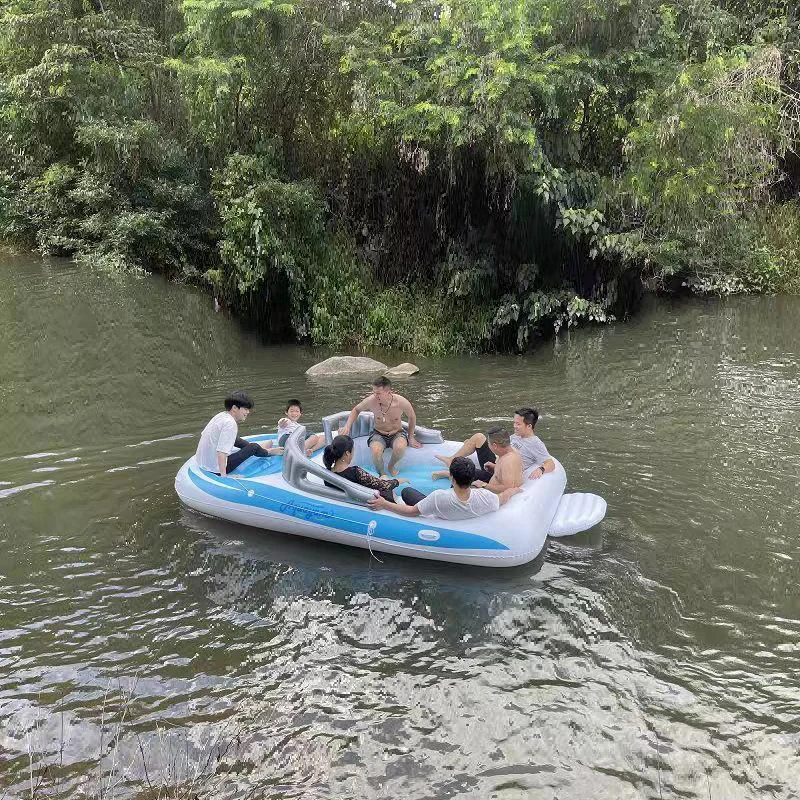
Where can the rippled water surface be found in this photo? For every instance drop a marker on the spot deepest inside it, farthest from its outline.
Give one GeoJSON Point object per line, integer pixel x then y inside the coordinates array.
{"type": "Point", "coordinates": [142, 645]}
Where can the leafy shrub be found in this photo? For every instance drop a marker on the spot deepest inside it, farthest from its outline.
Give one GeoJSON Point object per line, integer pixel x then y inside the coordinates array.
{"type": "Point", "coordinates": [48, 209]}
{"type": "Point", "coordinates": [781, 226]}
{"type": "Point", "coordinates": [280, 266]}
{"type": "Point", "coordinates": [433, 175]}
{"type": "Point", "coordinates": [272, 236]}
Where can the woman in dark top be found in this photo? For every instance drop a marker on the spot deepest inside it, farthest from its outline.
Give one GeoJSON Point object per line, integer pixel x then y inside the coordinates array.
{"type": "Point", "coordinates": [337, 457]}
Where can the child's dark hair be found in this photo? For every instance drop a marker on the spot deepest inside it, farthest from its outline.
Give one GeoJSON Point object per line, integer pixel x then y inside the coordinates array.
{"type": "Point", "coordinates": [336, 449]}
{"type": "Point", "coordinates": [530, 416]}
{"type": "Point", "coordinates": [241, 399]}
{"type": "Point", "coordinates": [294, 402]}
{"type": "Point", "coordinates": [462, 471]}
{"type": "Point", "coordinates": [382, 383]}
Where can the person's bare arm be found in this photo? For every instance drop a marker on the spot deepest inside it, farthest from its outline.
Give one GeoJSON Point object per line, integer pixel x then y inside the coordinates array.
{"type": "Point", "coordinates": [412, 422]}
{"type": "Point", "coordinates": [548, 466]}
{"type": "Point", "coordinates": [508, 494]}
{"type": "Point", "coordinates": [222, 463]}
{"type": "Point", "coordinates": [406, 511]}
{"type": "Point", "coordinates": [353, 416]}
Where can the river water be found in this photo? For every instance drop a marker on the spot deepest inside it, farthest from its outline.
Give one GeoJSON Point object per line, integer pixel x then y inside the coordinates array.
{"type": "Point", "coordinates": [144, 645]}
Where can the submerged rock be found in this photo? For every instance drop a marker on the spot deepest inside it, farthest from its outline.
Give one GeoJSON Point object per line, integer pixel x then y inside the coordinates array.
{"type": "Point", "coordinates": [401, 370]}
{"type": "Point", "coordinates": [347, 365]}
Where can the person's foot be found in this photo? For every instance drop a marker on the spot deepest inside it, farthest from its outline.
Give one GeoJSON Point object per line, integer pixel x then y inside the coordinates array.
{"type": "Point", "coordinates": [439, 474]}
{"type": "Point", "coordinates": [393, 471]}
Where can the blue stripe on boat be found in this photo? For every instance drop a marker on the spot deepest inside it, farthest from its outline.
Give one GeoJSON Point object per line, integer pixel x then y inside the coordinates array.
{"type": "Point", "coordinates": [349, 518]}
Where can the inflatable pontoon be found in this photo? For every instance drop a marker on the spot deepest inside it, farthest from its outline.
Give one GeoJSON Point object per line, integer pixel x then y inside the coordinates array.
{"type": "Point", "coordinates": [288, 494]}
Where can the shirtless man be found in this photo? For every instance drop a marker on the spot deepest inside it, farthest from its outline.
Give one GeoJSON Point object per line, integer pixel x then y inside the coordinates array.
{"type": "Point", "coordinates": [524, 440]}
{"type": "Point", "coordinates": [388, 409]}
{"type": "Point", "coordinates": [507, 473]}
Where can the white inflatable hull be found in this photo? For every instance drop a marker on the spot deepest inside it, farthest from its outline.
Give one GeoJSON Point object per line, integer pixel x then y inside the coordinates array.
{"type": "Point", "coordinates": [514, 535]}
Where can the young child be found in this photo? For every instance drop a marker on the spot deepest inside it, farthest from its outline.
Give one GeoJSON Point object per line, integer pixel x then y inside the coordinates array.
{"type": "Point", "coordinates": [291, 422]}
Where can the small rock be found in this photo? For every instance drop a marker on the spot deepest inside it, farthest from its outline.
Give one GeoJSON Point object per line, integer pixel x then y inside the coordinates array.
{"type": "Point", "coordinates": [401, 370]}
{"type": "Point", "coordinates": [347, 365]}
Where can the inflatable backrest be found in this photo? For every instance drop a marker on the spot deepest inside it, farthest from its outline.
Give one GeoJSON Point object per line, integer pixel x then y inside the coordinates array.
{"type": "Point", "coordinates": [365, 424]}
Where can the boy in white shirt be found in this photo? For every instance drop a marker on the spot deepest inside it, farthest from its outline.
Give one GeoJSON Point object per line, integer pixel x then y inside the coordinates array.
{"type": "Point", "coordinates": [291, 422]}
{"type": "Point", "coordinates": [215, 450]}
{"type": "Point", "coordinates": [460, 502]}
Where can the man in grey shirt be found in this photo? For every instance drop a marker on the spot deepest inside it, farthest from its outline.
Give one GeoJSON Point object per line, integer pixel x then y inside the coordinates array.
{"type": "Point", "coordinates": [459, 502]}
{"type": "Point", "coordinates": [524, 441]}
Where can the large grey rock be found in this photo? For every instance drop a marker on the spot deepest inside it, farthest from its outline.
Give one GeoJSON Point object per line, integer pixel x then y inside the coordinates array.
{"type": "Point", "coordinates": [401, 370]}
{"type": "Point", "coordinates": [347, 365]}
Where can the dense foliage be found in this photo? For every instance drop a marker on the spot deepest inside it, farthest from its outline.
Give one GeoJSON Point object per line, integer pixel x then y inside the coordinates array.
{"type": "Point", "coordinates": [431, 174]}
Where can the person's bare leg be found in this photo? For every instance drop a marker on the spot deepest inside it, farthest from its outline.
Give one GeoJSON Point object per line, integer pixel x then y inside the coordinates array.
{"type": "Point", "coordinates": [398, 451]}
{"type": "Point", "coordinates": [475, 442]}
{"type": "Point", "coordinates": [314, 442]}
{"type": "Point", "coordinates": [377, 448]}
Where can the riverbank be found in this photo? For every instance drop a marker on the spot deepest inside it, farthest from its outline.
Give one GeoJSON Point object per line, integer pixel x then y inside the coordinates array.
{"type": "Point", "coordinates": [348, 311]}
{"type": "Point", "coordinates": [491, 179]}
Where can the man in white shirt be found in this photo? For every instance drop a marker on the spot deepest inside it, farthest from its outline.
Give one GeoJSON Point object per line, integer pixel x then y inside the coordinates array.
{"type": "Point", "coordinates": [460, 502]}
{"type": "Point", "coordinates": [524, 441]}
{"type": "Point", "coordinates": [215, 451]}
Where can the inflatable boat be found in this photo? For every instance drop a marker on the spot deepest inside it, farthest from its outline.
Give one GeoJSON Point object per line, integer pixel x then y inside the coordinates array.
{"type": "Point", "coordinates": [289, 494]}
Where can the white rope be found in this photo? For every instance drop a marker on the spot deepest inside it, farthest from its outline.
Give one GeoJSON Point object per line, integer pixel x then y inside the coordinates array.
{"type": "Point", "coordinates": [370, 526]}
{"type": "Point", "coordinates": [373, 524]}
{"type": "Point", "coordinates": [370, 530]}
{"type": "Point", "coordinates": [248, 492]}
